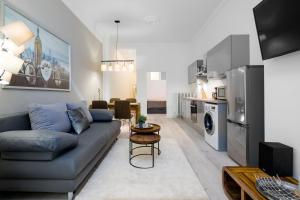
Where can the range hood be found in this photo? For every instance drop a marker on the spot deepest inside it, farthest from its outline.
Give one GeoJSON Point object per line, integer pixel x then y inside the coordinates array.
{"type": "Point", "coordinates": [213, 75]}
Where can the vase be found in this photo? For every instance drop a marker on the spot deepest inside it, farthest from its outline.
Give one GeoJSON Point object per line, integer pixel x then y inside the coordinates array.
{"type": "Point", "coordinates": [141, 124]}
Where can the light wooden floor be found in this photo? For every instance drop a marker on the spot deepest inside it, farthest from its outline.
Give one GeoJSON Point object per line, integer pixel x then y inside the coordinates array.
{"type": "Point", "coordinates": [205, 161]}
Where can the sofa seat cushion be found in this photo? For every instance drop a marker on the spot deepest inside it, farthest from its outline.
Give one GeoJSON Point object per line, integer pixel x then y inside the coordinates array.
{"type": "Point", "coordinates": [35, 144]}
{"type": "Point", "coordinates": [68, 165]}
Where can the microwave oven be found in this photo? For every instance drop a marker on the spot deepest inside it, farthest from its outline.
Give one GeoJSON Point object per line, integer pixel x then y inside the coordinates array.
{"type": "Point", "coordinates": [221, 93]}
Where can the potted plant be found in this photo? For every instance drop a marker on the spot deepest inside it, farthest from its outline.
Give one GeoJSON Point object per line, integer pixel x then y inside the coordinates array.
{"type": "Point", "coordinates": [141, 121]}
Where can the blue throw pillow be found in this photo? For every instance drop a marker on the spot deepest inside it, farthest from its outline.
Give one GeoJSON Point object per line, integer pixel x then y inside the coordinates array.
{"type": "Point", "coordinates": [83, 105]}
{"type": "Point", "coordinates": [78, 119]}
{"type": "Point", "coordinates": [101, 115]}
{"type": "Point", "coordinates": [50, 117]}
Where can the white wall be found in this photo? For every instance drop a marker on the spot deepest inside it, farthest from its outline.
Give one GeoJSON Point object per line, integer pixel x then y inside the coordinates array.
{"type": "Point", "coordinates": [282, 97]}
{"type": "Point", "coordinates": [86, 52]}
{"type": "Point", "coordinates": [119, 85]}
{"type": "Point", "coordinates": [156, 89]}
{"type": "Point", "coordinates": [282, 74]}
{"type": "Point", "coordinates": [163, 57]}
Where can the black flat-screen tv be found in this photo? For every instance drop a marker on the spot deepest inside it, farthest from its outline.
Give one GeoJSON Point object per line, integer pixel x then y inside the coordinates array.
{"type": "Point", "coordinates": [278, 27]}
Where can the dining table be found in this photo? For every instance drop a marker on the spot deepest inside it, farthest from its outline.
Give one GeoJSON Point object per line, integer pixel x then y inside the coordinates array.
{"type": "Point", "coordinates": [136, 107]}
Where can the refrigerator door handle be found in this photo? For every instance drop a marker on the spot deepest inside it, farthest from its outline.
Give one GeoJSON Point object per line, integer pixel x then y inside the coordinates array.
{"type": "Point", "coordinates": [238, 123]}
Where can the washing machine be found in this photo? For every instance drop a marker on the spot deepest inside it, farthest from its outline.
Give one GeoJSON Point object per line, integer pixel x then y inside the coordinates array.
{"type": "Point", "coordinates": [215, 132]}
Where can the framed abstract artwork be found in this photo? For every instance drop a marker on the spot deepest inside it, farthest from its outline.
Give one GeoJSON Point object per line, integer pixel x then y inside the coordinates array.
{"type": "Point", "coordinates": [47, 62]}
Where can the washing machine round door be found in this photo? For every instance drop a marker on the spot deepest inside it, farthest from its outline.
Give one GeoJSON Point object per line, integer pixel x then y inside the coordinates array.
{"type": "Point", "coordinates": [209, 123]}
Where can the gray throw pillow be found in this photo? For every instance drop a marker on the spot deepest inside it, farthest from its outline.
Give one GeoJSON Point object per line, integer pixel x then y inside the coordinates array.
{"type": "Point", "coordinates": [83, 105]}
{"type": "Point", "coordinates": [35, 144]}
{"type": "Point", "coordinates": [101, 115]}
{"type": "Point", "coordinates": [50, 117]}
{"type": "Point", "coordinates": [78, 119]}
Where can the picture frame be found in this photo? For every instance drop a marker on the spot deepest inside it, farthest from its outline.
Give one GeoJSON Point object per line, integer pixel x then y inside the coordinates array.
{"type": "Point", "coordinates": [47, 57]}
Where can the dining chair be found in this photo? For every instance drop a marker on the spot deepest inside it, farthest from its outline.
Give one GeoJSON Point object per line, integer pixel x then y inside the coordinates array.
{"type": "Point", "coordinates": [99, 105]}
{"type": "Point", "coordinates": [131, 100]}
{"type": "Point", "coordinates": [113, 100]}
{"type": "Point", "coordinates": [122, 111]}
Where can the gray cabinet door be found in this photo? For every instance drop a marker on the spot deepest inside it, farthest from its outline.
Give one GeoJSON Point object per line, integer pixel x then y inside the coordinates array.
{"type": "Point", "coordinates": [232, 52]}
{"type": "Point", "coordinates": [192, 71]}
{"type": "Point", "coordinates": [240, 51]}
{"type": "Point", "coordinates": [200, 116]}
{"type": "Point", "coordinates": [219, 57]}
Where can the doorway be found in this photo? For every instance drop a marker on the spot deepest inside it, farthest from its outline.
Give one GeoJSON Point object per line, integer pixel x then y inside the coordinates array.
{"type": "Point", "coordinates": [156, 93]}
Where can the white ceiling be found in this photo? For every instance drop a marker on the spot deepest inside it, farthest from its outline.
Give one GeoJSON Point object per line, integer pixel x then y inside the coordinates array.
{"type": "Point", "coordinates": [178, 20]}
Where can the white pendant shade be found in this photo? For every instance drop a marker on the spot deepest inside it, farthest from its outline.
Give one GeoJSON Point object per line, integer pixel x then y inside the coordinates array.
{"type": "Point", "coordinates": [117, 67]}
{"type": "Point", "coordinates": [10, 62]}
{"type": "Point", "coordinates": [131, 67]}
{"type": "Point", "coordinates": [18, 32]}
{"type": "Point", "coordinates": [5, 77]}
{"type": "Point", "coordinates": [110, 68]}
{"type": "Point", "coordinates": [103, 67]}
{"type": "Point", "coordinates": [124, 68]}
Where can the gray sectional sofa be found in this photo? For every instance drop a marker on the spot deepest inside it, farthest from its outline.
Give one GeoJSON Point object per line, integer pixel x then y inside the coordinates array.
{"type": "Point", "coordinates": [65, 173]}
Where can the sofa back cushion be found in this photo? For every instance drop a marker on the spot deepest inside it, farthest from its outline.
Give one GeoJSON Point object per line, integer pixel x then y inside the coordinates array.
{"type": "Point", "coordinates": [50, 117]}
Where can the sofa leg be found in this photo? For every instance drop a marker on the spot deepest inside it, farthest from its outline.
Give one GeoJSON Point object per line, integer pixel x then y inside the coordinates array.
{"type": "Point", "coordinates": [70, 195]}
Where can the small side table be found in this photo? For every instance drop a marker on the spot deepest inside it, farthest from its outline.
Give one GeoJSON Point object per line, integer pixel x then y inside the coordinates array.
{"type": "Point", "coordinates": [146, 138]}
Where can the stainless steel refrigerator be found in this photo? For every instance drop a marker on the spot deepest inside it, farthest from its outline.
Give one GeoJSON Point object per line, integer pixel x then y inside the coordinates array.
{"type": "Point", "coordinates": [245, 115]}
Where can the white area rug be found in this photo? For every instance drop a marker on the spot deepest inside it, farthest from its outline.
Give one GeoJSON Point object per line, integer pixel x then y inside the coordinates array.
{"type": "Point", "coordinates": [172, 178]}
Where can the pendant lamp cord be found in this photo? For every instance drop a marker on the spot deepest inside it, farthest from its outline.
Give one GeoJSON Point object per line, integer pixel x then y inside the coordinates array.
{"type": "Point", "coordinates": [117, 41]}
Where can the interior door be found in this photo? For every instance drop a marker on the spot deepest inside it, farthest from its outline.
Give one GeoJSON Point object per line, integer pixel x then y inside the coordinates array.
{"type": "Point", "coordinates": [237, 143]}
{"type": "Point", "coordinates": [237, 95]}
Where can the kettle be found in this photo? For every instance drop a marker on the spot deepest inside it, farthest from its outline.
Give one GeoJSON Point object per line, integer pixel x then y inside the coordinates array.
{"type": "Point", "coordinates": [214, 95]}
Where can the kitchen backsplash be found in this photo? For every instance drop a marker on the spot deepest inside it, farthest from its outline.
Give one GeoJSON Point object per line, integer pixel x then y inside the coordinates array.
{"type": "Point", "coordinates": [208, 87]}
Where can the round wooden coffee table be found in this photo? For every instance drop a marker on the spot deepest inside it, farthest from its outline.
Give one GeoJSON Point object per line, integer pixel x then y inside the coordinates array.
{"type": "Point", "coordinates": [146, 138]}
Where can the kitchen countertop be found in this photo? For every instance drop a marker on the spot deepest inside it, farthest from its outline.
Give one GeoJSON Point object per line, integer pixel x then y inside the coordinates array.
{"type": "Point", "coordinates": [214, 101]}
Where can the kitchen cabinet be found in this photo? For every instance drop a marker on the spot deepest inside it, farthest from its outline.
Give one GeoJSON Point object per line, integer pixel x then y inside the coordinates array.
{"type": "Point", "coordinates": [232, 52]}
{"type": "Point", "coordinates": [186, 109]}
{"type": "Point", "coordinates": [193, 70]}
{"type": "Point", "coordinates": [200, 116]}
{"type": "Point", "coordinates": [187, 117]}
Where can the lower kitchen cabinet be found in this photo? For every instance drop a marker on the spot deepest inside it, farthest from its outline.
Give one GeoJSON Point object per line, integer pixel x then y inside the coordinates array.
{"type": "Point", "coordinates": [189, 117]}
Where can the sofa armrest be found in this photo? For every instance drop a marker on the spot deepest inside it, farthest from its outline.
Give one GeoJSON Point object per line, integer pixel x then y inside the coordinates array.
{"type": "Point", "coordinates": [101, 115]}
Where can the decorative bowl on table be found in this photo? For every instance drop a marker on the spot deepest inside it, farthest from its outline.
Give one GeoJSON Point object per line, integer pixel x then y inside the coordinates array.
{"type": "Point", "coordinates": [144, 126]}
{"type": "Point", "coordinates": [276, 189]}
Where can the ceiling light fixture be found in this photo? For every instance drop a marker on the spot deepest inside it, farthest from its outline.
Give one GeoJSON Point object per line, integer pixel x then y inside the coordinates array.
{"type": "Point", "coordinates": [151, 19]}
{"type": "Point", "coordinates": [115, 65]}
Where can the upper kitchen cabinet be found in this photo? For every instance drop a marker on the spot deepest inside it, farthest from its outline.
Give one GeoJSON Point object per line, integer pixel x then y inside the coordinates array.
{"type": "Point", "coordinates": [232, 52]}
{"type": "Point", "coordinates": [193, 71]}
